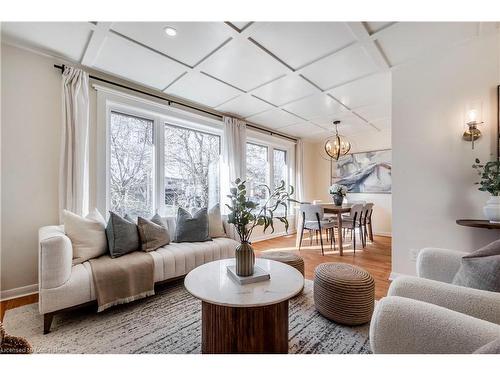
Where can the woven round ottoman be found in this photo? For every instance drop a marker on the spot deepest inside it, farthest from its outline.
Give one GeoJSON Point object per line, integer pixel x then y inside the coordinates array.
{"type": "Point", "coordinates": [344, 293]}
{"type": "Point", "coordinates": [288, 258]}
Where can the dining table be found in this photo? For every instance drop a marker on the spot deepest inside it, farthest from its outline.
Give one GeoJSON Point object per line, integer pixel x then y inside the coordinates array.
{"type": "Point", "coordinates": [331, 208]}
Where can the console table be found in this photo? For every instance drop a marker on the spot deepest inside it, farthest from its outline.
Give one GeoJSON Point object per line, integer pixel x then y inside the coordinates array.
{"type": "Point", "coordinates": [250, 318]}
{"type": "Point", "coordinates": [478, 224]}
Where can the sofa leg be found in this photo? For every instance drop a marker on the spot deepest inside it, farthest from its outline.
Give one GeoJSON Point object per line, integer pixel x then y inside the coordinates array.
{"type": "Point", "coordinates": [47, 322]}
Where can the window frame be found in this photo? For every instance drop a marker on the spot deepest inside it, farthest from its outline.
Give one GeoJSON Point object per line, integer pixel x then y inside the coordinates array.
{"type": "Point", "coordinates": [275, 143]}
{"type": "Point", "coordinates": [109, 100]}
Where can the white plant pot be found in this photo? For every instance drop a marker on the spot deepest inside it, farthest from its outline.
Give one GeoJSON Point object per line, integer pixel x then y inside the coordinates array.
{"type": "Point", "coordinates": [492, 209]}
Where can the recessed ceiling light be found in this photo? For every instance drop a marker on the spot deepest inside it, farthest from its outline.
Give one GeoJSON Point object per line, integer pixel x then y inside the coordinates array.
{"type": "Point", "coordinates": [170, 31]}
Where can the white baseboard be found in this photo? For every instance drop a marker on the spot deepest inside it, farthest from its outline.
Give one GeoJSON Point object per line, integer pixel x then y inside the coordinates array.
{"type": "Point", "coordinates": [273, 235]}
{"type": "Point", "coordinates": [383, 234]}
{"type": "Point", "coordinates": [18, 292]}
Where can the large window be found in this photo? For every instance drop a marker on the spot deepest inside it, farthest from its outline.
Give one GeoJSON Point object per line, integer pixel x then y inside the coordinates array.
{"type": "Point", "coordinates": [191, 168]}
{"type": "Point", "coordinates": [265, 165]}
{"type": "Point", "coordinates": [157, 166]}
{"type": "Point", "coordinates": [131, 174]}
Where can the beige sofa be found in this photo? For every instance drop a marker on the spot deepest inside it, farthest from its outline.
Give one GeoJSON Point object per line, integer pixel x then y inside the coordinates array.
{"type": "Point", "coordinates": [428, 314]}
{"type": "Point", "coordinates": [63, 286]}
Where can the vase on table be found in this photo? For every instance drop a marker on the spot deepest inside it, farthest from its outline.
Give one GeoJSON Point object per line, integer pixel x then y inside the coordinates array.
{"type": "Point", "coordinates": [245, 259]}
{"type": "Point", "coordinates": [492, 209]}
{"type": "Point", "coordinates": [338, 199]}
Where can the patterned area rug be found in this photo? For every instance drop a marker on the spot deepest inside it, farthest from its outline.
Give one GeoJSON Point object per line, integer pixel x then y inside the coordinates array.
{"type": "Point", "coordinates": [170, 322]}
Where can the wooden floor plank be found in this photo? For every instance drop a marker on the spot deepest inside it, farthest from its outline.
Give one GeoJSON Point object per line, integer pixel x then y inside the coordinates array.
{"type": "Point", "coordinates": [375, 258]}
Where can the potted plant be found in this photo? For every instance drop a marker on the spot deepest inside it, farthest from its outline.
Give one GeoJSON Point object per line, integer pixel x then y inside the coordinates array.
{"type": "Point", "coordinates": [338, 192]}
{"type": "Point", "coordinates": [245, 215]}
{"type": "Point", "coordinates": [490, 182]}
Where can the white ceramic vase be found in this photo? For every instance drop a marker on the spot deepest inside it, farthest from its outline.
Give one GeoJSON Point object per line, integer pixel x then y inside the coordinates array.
{"type": "Point", "coordinates": [492, 209]}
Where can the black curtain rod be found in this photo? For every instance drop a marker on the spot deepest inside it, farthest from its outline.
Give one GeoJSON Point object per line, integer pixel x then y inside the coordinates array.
{"type": "Point", "coordinates": [170, 101]}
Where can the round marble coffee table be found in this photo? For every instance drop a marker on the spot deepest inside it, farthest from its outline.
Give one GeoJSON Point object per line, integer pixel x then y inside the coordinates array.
{"type": "Point", "coordinates": [250, 318]}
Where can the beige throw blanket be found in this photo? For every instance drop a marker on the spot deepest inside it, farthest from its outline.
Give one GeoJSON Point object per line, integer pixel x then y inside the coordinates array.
{"type": "Point", "coordinates": [124, 279]}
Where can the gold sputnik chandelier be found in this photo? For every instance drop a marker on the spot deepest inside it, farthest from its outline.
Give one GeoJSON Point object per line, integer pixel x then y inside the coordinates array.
{"type": "Point", "coordinates": [337, 146]}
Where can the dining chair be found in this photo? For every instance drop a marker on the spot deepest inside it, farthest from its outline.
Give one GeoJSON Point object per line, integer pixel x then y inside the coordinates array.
{"type": "Point", "coordinates": [314, 221]}
{"type": "Point", "coordinates": [352, 222]}
{"type": "Point", "coordinates": [367, 221]}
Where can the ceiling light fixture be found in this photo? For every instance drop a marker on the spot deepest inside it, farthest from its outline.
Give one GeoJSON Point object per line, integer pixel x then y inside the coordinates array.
{"type": "Point", "coordinates": [337, 146]}
{"type": "Point", "coordinates": [170, 31]}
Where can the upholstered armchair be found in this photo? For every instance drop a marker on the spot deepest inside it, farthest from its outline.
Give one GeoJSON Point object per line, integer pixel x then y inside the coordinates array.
{"type": "Point", "coordinates": [428, 314]}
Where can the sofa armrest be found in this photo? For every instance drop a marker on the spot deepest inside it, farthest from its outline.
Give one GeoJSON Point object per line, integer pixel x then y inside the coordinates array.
{"type": "Point", "coordinates": [480, 304]}
{"type": "Point", "coordinates": [55, 257]}
{"type": "Point", "coordinates": [402, 325]}
{"type": "Point", "coordinates": [439, 264]}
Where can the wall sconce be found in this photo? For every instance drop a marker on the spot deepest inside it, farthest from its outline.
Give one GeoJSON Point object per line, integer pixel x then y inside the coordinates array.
{"type": "Point", "coordinates": [472, 120]}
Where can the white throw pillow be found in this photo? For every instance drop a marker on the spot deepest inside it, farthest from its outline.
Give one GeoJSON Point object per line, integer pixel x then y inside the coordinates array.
{"type": "Point", "coordinates": [215, 226]}
{"type": "Point", "coordinates": [87, 234]}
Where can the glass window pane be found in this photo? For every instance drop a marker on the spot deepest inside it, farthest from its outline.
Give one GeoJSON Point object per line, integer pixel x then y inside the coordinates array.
{"type": "Point", "coordinates": [280, 172]}
{"type": "Point", "coordinates": [131, 165]}
{"type": "Point", "coordinates": [257, 172]}
{"type": "Point", "coordinates": [191, 169]}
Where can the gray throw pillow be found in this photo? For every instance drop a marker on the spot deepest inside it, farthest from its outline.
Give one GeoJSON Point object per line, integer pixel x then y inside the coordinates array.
{"type": "Point", "coordinates": [123, 236]}
{"type": "Point", "coordinates": [493, 347]}
{"type": "Point", "coordinates": [153, 236]}
{"type": "Point", "coordinates": [481, 269]}
{"type": "Point", "coordinates": [192, 228]}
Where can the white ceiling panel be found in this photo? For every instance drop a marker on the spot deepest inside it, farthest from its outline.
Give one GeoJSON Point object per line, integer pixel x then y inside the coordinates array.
{"type": "Point", "coordinates": [373, 27]}
{"type": "Point", "coordinates": [349, 64]}
{"type": "Point", "coordinates": [370, 90]}
{"type": "Point", "coordinates": [194, 40]}
{"type": "Point", "coordinates": [200, 88]}
{"type": "Point", "coordinates": [374, 112]}
{"type": "Point", "coordinates": [285, 90]}
{"type": "Point", "coordinates": [347, 121]}
{"type": "Point", "coordinates": [275, 119]}
{"type": "Point", "coordinates": [240, 24]}
{"type": "Point", "coordinates": [314, 106]}
{"type": "Point", "coordinates": [299, 43]}
{"type": "Point", "coordinates": [303, 130]}
{"type": "Point", "coordinates": [63, 39]}
{"type": "Point", "coordinates": [409, 39]}
{"type": "Point", "coordinates": [244, 105]}
{"type": "Point", "coordinates": [126, 59]}
{"type": "Point", "coordinates": [382, 124]}
{"type": "Point", "coordinates": [243, 65]}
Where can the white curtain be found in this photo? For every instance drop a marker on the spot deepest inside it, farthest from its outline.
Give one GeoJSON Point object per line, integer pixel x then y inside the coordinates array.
{"type": "Point", "coordinates": [233, 156]}
{"type": "Point", "coordinates": [74, 171]}
{"type": "Point", "coordinates": [299, 170]}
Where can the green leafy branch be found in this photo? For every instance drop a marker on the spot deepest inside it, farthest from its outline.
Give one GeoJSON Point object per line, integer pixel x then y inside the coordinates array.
{"type": "Point", "coordinates": [490, 176]}
{"type": "Point", "coordinates": [242, 210]}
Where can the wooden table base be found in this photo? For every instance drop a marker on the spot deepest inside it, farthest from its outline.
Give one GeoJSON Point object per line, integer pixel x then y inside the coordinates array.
{"type": "Point", "coordinates": [228, 330]}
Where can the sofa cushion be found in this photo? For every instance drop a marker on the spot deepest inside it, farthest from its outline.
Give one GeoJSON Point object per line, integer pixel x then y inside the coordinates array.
{"type": "Point", "coordinates": [157, 219]}
{"type": "Point", "coordinates": [123, 236]}
{"type": "Point", "coordinates": [87, 235]}
{"type": "Point", "coordinates": [152, 235]}
{"type": "Point", "coordinates": [479, 269]}
{"type": "Point", "coordinates": [215, 227]}
{"type": "Point", "coordinates": [191, 228]}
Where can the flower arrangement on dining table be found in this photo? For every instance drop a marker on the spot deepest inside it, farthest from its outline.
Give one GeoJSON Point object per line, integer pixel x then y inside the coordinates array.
{"type": "Point", "coordinates": [338, 192]}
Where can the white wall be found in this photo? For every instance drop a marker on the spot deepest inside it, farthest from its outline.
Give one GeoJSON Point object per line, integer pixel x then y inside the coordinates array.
{"type": "Point", "coordinates": [31, 122]}
{"type": "Point", "coordinates": [432, 174]}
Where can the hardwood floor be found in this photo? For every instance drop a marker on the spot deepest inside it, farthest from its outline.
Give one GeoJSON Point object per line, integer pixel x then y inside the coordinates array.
{"type": "Point", "coordinates": [375, 258]}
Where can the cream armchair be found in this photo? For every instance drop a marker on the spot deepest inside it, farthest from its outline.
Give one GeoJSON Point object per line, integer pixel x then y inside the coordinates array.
{"type": "Point", "coordinates": [427, 314]}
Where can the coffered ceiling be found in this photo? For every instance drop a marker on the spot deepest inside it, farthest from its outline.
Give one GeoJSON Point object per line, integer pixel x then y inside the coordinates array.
{"type": "Point", "coordinates": [293, 77]}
